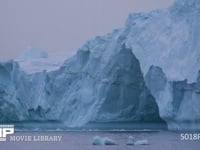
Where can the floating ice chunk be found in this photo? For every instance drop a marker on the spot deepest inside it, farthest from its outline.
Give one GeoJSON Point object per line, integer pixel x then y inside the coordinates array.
{"type": "Point", "coordinates": [109, 141]}
{"type": "Point", "coordinates": [142, 142]}
{"type": "Point", "coordinates": [98, 141]}
{"type": "Point", "coordinates": [130, 140]}
{"type": "Point", "coordinates": [103, 141]}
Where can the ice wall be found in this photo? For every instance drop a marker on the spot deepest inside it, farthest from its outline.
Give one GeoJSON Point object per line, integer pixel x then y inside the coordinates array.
{"type": "Point", "coordinates": [101, 83]}
{"type": "Point", "coordinates": [178, 101]}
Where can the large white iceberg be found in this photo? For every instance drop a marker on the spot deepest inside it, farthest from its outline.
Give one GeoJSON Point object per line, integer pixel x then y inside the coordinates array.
{"type": "Point", "coordinates": [99, 84]}
{"type": "Point", "coordinates": [103, 82]}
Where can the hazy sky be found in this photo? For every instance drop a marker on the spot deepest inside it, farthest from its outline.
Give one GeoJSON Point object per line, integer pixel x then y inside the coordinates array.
{"type": "Point", "coordinates": [62, 25]}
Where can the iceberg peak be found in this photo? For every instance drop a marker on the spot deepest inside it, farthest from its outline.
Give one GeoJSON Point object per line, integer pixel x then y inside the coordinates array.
{"type": "Point", "coordinates": [34, 53]}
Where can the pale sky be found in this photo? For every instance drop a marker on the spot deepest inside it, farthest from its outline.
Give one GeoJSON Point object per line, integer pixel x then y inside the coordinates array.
{"type": "Point", "coordinates": [62, 25]}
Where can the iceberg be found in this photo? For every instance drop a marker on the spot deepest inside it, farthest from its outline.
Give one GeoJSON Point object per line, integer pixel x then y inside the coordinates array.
{"type": "Point", "coordinates": [99, 84]}
{"type": "Point", "coordinates": [131, 140]}
{"type": "Point", "coordinates": [105, 83]}
{"type": "Point", "coordinates": [34, 53]}
{"type": "Point", "coordinates": [165, 41]}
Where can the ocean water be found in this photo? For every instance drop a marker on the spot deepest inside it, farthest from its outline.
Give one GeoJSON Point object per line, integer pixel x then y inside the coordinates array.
{"type": "Point", "coordinates": [157, 135]}
{"type": "Point", "coordinates": [82, 140]}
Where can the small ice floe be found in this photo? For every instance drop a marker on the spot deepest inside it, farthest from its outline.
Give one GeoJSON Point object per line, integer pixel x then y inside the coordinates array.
{"type": "Point", "coordinates": [130, 141]}
{"type": "Point", "coordinates": [109, 141]}
{"type": "Point", "coordinates": [142, 142]}
{"type": "Point", "coordinates": [103, 141]}
{"type": "Point", "coordinates": [98, 141]}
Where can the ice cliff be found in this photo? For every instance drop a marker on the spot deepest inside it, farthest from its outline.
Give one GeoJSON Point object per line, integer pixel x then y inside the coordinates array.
{"type": "Point", "coordinates": [178, 101]}
{"type": "Point", "coordinates": [103, 82]}
{"type": "Point", "coordinates": [169, 38]}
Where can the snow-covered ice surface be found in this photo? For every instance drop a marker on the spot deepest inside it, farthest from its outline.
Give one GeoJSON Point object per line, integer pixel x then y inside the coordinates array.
{"type": "Point", "coordinates": [168, 38]}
